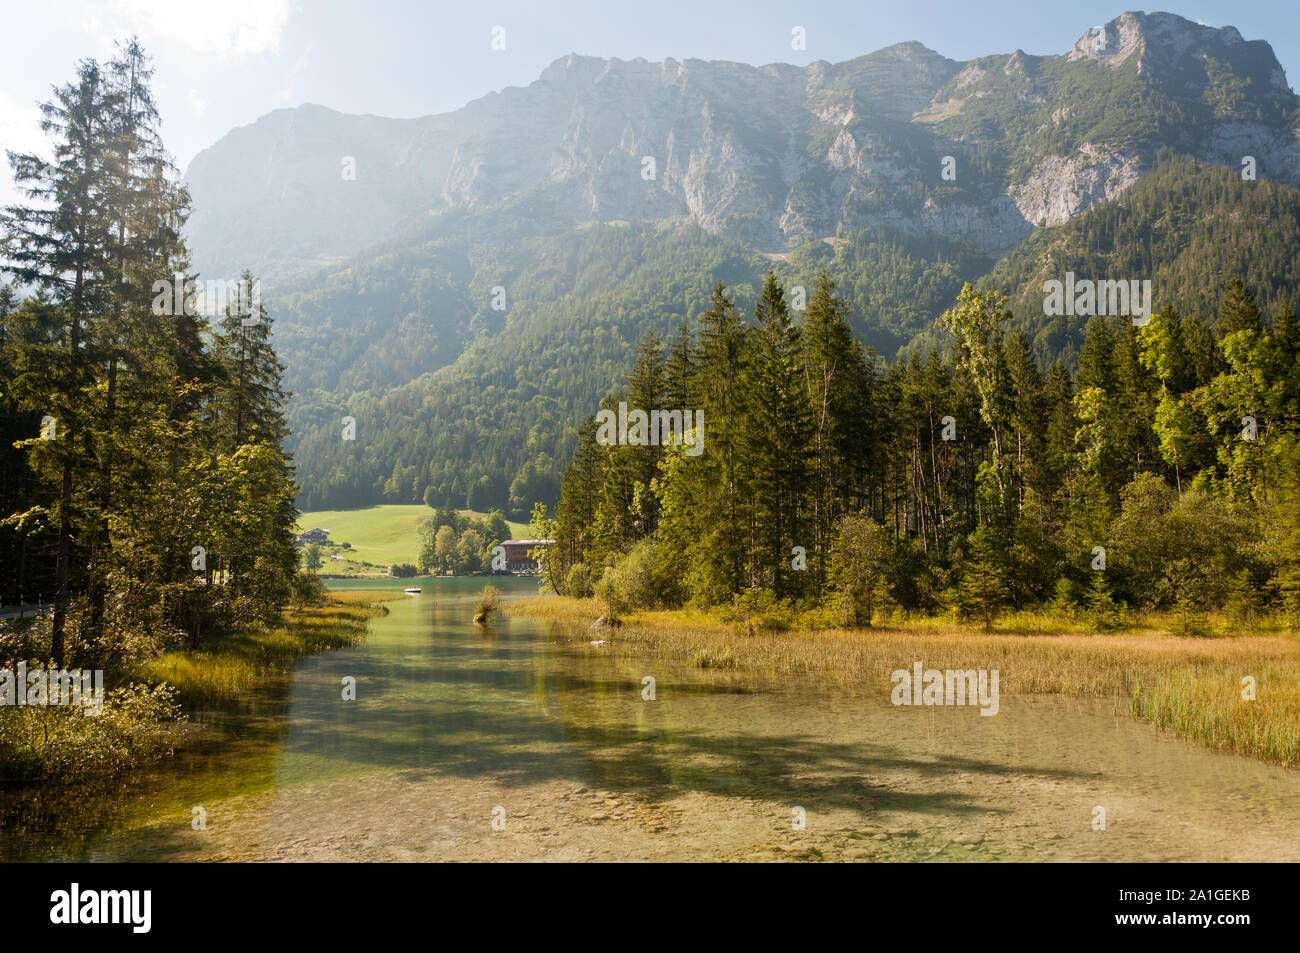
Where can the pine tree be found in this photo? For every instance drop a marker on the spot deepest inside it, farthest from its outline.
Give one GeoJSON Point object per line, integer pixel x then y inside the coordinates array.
{"type": "Point", "coordinates": [837, 380]}
{"type": "Point", "coordinates": [141, 473]}
{"type": "Point", "coordinates": [1026, 416]}
{"type": "Point", "coordinates": [252, 398]}
{"type": "Point", "coordinates": [578, 505]}
{"type": "Point", "coordinates": [148, 209]}
{"type": "Point", "coordinates": [983, 586]}
{"type": "Point", "coordinates": [62, 246]}
{"type": "Point", "coordinates": [1238, 310]}
{"type": "Point", "coordinates": [776, 443]}
{"type": "Point", "coordinates": [722, 356]}
{"type": "Point", "coordinates": [680, 372]}
{"type": "Point", "coordinates": [646, 390]}
{"type": "Point", "coordinates": [1062, 425]}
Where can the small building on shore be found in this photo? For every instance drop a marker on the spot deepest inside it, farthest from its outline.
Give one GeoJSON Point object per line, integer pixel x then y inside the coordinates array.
{"type": "Point", "coordinates": [517, 554]}
{"type": "Point", "coordinates": [312, 536]}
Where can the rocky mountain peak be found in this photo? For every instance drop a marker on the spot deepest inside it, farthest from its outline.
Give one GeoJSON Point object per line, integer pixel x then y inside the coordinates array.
{"type": "Point", "coordinates": [774, 155]}
{"type": "Point", "coordinates": [1167, 43]}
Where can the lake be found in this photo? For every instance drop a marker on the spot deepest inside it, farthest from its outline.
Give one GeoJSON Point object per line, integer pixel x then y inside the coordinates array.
{"type": "Point", "coordinates": [520, 741]}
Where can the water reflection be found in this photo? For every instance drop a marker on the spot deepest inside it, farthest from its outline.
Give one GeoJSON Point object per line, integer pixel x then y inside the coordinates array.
{"type": "Point", "coordinates": [440, 699]}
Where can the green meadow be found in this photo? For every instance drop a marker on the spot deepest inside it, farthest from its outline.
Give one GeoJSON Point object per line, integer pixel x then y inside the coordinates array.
{"type": "Point", "coordinates": [380, 536]}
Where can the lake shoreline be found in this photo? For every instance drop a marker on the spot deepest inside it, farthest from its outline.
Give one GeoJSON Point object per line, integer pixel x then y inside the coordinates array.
{"type": "Point", "coordinates": [197, 683]}
{"type": "Point", "coordinates": [1192, 686]}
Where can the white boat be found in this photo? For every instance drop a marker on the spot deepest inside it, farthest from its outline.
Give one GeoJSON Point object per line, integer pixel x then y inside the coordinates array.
{"type": "Point", "coordinates": [414, 590]}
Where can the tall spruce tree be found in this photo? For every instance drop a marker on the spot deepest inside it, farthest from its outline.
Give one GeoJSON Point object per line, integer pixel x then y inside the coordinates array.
{"type": "Point", "coordinates": [62, 246]}
{"type": "Point", "coordinates": [776, 445]}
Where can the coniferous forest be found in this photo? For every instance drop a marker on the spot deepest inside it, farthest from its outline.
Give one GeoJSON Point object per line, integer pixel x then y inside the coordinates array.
{"type": "Point", "coordinates": [147, 497]}
{"type": "Point", "coordinates": [1164, 473]}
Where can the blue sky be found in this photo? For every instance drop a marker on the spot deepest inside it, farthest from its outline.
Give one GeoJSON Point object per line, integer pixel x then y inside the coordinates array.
{"type": "Point", "coordinates": [225, 63]}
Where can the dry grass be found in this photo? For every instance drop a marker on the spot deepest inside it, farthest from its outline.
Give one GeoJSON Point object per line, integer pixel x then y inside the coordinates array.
{"type": "Point", "coordinates": [228, 664]}
{"type": "Point", "coordinates": [1190, 685]}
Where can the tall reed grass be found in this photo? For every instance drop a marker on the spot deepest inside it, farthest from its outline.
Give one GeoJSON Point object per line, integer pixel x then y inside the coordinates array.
{"type": "Point", "coordinates": [1190, 685]}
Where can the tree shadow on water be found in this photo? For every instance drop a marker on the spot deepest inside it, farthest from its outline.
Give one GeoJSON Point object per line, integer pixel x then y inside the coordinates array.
{"type": "Point", "coordinates": [655, 763]}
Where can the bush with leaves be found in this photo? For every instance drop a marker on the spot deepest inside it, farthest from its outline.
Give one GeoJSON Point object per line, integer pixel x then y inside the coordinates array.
{"type": "Point", "coordinates": [580, 581]}
{"type": "Point", "coordinates": [62, 742]}
{"type": "Point", "coordinates": [637, 579]}
{"type": "Point", "coordinates": [489, 601]}
{"type": "Point", "coordinates": [857, 568]}
{"type": "Point", "coordinates": [308, 590]}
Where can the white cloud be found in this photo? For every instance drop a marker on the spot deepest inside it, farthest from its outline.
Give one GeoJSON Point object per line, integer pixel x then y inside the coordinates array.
{"type": "Point", "coordinates": [287, 93]}
{"type": "Point", "coordinates": [197, 103]}
{"type": "Point", "coordinates": [20, 125]}
{"type": "Point", "coordinates": [20, 131]}
{"type": "Point", "coordinates": [236, 28]}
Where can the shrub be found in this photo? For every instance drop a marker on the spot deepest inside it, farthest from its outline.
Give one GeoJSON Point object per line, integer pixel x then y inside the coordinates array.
{"type": "Point", "coordinates": [857, 559]}
{"type": "Point", "coordinates": [489, 600]}
{"type": "Point", "coordinates": [308, 590]}
{"type": "Point", "coordinates": [581, 582]}
{"type": "Point", "coordinates": [636, 579]}
{"type": "Point", "coordinates": [54, 742]}
{"type": "Point", "coordinates": [608, 593]}
{"type": "Point", "coordinates": [1189, 620]}
{"type": "Point", "coordinates": [759, 608]}
{"type": "Point", "coordinates": [1157, 528]}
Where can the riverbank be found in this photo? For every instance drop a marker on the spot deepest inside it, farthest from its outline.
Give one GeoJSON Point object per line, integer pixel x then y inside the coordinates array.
{"type": "Point", "coordinates": [1192, 686]}
{"type": "Point", "coordinates": [148, 715]}
{"type": "Point", "coordinates": [228, 664]}
{"type": "Point", "coordinates": [519, 741]}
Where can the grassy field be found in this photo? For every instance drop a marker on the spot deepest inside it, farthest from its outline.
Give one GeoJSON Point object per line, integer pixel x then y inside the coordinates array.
{"type": "Point", "coordinates": [1192, 686]}
{"type": "Point", "coordinates": [381, 536]}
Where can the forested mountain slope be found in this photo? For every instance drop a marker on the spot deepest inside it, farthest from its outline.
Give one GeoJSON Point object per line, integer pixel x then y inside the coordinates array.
{"type": "Point", "coordinates": [483, 278]}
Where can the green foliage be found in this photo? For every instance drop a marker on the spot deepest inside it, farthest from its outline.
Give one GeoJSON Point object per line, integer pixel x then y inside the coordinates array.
{"type": "Point", "coordinates": [580, 582]}
{"type": "Point", "coordinates": [162, 500]}
{"type": "Point", "coordinates": [308, 590]}
{"type": "Point", "coordinates": [450, 541]}
{"type": "Point", "coordinates": [1101, 612]}
{"type": "Point", "coordinates": [982, 592]}
{"type": "Point", "coordinates": [1184, 225]}
{"type": "Point", "coordinates": [975, 481]}
{"type": "Point", "coordinates": [609, 592]}
{"type": "Point", "coordinates": [857, 568]}
{"type": "Point", "coordinates": [635, 579]}
{"type": "Point", "coordinates": [51, 743]}
{"type": "Point", "coordinates": [489, 602]}
{"type": "Point", "coordinates": [1169, 549]}
{"type": "Point", "coordinates": [1190, 620]}
{"type": "Point", "coordinates": [311, 558]}
{"type": "Point", "coordinates": [542, 526]}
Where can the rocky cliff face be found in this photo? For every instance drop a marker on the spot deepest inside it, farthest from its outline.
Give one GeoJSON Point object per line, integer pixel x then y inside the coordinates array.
{"type": "Point", "coordinates": [984, 151]}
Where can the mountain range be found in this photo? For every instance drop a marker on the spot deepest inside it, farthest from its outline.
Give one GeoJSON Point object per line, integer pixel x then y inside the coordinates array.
{"type": "Point", "coordinates": [468, 286]}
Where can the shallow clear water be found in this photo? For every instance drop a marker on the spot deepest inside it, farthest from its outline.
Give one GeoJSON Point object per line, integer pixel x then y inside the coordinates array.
{"type": "Point", "coordinates": [521, 741]}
